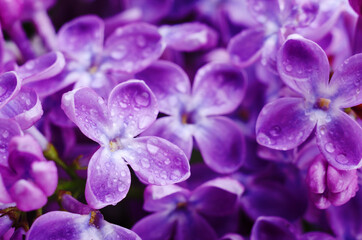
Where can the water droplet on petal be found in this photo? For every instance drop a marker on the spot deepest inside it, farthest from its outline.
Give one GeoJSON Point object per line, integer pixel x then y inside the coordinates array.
{"type": "Point", "coordinates": [275, 131]}
{"type": "Point", "coordinates": [167, 161]}
{"type": "Point", "coordinates": [143, 99]}
{"type": "Point", "coordinates": [123, 105]}
{"type": "Point", "coordinates": [329, 147]}
{"type": "Point", "coordinates": [109, 197]}
{"type": "Point", "coordinates": [151, 146]}
{"type": "Point", "coordinates": [121, 187]}
{"type": "Point", "coordinates": [264, 139]}
{"type": "Point", "coordinates": [123, 173]}
{"type": "Point", "coordinates": [151, 179]}
{"type": "Point", "coordinates": [30, 65]}
{"type": "Point", "coordinates": [141, 41]}
{"type": "Point", "coordinates": [176, 174]}
{"type": "Point", "coordinates": [289, 68]}
{"type": "Point", "coordinates": [5, 134]}
{"type": "Point", "coordinates": [145, 163]}
{"type": "Point", "coordinates": [119, 53]}
{"type": "Point", "coordinates": [323, 130]}
{"type": "Point", "coordinates": [341, 158]}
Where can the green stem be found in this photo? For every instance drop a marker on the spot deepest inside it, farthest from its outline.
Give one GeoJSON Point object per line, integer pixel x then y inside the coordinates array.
{"type": "Point", "coordinates": [51, 154]}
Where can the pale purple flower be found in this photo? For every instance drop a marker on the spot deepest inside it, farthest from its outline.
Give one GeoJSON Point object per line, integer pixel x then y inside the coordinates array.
{"type": "Point", "coordinates": [81, 223]}
{"type": "Point", "coordinates": [287, 122]}
{"type": "Point", "coordinates": [131, 108]}
{"type": "Point", "coordinates": [30, 178]}
{"type": "Point", "coordinates": [195, 112]}
{"type": "Point", "coordinates": [180, 213]}
{"type": "Point", "coordinates": [99, 63]}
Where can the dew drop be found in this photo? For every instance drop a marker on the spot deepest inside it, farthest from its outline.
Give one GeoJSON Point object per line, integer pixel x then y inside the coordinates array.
{"type": "Point", "coordinates": [176, 174]}
{"type": "Point", "coordinates": [289, 68]}
{"type": "Point", "coordinates": [5, 134]}
{"type": "Point", "coordinates": [151, 179]}
{"type": "Point", "coordinates": [123, 173]}
{"type": "Point", "coordinates": [323, 130]}
{"type": "Point", "coordinates": [341, 158]}
{"type": "Point", "coordinates": [108, 197]}
{"type": "Point", "coordinates": [143, 99]}
{"type": "Point", "coordinates": [83, 108]}
{"type": "Point", "coordinates": [119, 53]}
{"type": "Point", "coordinates": [329, 147]}
{"type": "Point", "coordinates": [167, 161]}
{"type": "Point", "coordinates": [145, 163]}
{"type": "Point", "coordinates": [163, 175]}
{"type": "Point", "coordinates": [275, 131]}
{"type": "Point", "coordinates": [151, 146]}
{"type": "Point", "coordinates": [30, 65]}
{"type": "Point", "coordinates": [123, 105]}
{"type": "Point", "coordinates": [264, 139]}
{"type": "Point", "coordinates": [121, 187]}
{"type": "Point", "coordinates": [141, 41]}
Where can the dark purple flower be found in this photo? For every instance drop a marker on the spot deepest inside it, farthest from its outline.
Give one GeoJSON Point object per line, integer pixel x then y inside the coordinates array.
{"type": "Point", "coordinates": [29, 179]}
{"type": "Point", "coordinates": [287, 122]}
{"type": "Point", "coordinates": [328, 185]}
{"type": "Point", "coordinates": [131, 108]}
{"type": "Point", "coordinates": [179, 213]}
{"type": "Point", "coordinates": [217, 89]}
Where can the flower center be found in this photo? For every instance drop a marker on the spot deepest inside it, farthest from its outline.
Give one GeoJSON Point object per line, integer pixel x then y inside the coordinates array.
{"type": "Point", "coordinates": [115, 144]}
{"type": "Point", "coordinates": [323, 103]}
{"type": "Point", "coordinates": [93, 69]}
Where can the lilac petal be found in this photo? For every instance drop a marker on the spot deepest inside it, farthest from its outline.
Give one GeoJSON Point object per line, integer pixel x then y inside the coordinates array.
{"type": "Point", "coordinates": [4, 196]}
{"type": "Point", "coordinates": [45, 176]}
{"type": "Point", "coordinates": [268, 8]}
{"type": "Point", "coordinates": [193, 226]}
{"type": "Point", "coordinates": [25, 108]}
{"type": "Point", "coordinates": [160, 198]}
{"type": "Point", "coordinates": [169, 83]}
{"type": "Point", "coordinates": [316, 236]}
{"type": "Point", "coordinates": [283, 124]}
{"type": "Point", "coordinates": [218, 88]}
{"type": "Point", "coordinates": [41, 68]}
{"type": "Point", "coordinates": [82, 37]}
{"type": "Point", "coordinates": [347, 82]}
{"type": "Point", "coordinates": [156, 160]}
{"type": "Point", "coordinates": [89, 111]}
{"type": "Point", "coordinates": [27, 196]}
{"type": "Point", "coordinates": [171, 129]}
{"type": "Point", "coordinates": [356, 5]}
{"type": "Point", "coordinates": [339, 180]}
{"type": "Point", "coordinates": [316, 176]}
{"type": "Point", "coordinates": [117, 233]}
{"type": "Point", "coordinates": [155, 226]}
{"type": "Point", "coordinates": [72, 205]}
{"type": "Point", "coordinates": [189, 37]}
{"type": "Point", "coordinates": [133, 105]}
{"type": "Point", "coordinates": [217, 197]}
{"type": "Point", "coordinates": [9, 86]}
{"type": "Point", "coordinates": [221, 144]}
{"type": "Point", "coordinates": [132, 48]}
{"type": "Point", "coordinates": [58, 225]}
{"type": "Point", "coordinates": [5, 224]}
{"type": "Point", "coordinates": [340, 141]}
{"type": "Point", "coordinates": [303, 65]}
{"type": "Point", "coordinates": [266, 228]}
{"type": "Point", "coordinates": [8, 129]}
{"type": "Point", "coordinates": [108, 180]}
{"type": "Point", "coordinates": [245, 48]}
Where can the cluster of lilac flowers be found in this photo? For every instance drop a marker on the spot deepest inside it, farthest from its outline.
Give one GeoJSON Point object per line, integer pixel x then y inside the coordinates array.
{"type": "Point", "coordinates": [185, 120]}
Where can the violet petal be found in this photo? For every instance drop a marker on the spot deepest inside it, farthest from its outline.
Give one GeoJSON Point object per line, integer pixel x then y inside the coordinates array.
{"type": "Point", "coordinates": [283, 124]}
{"type": "Point", "coordinates": [221, 144]}
{"type": "Point", "coordinates": [340, 141]}
{"type": "Point", "coordinates": [9, 87]}
{"type": "Point", "coordinates": [133, 107]}
{"type": "Point", "coordinates": [108, 180]}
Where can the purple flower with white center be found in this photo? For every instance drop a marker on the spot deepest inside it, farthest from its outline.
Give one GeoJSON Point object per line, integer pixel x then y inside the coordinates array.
{"type": "Point", "coordinates": [30, 178]}
{"type": "Point", "coordinates": [328, 185]}
{"type": "Point", "coordinates": [271, 228]}
{"type": "Point", "coordinates": [131, 108]}
{"type": "Point", "coordinates": [287, 122]}
{"type": "Point", "coordinates": [277, 20]}
{"type": "Point", "coordinates": [217, 89]}
{"type": "Point", "coordinates": [100, 64]}
{"type": "Point", "coordinates": [81, 223]}
{"type": "Point", "coordinates": [180, 214]}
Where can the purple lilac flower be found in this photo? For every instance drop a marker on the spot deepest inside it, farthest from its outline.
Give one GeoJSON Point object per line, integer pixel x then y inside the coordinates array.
{"type": "Point", "coordinates": [29, 179]}
{"type": "Point", "coordinates": [180, 214]}
{"type": "Point", "coordinates": [270, 228]}
{"type": "Point", "coordinates": [130, 109]}
{"type": "Point", "coordinates": [217, 89]}
{"type": "Point", "coordinates": [81, 223]}
{"type": "Point", "coordinates": [287, 122]}
{"type": "Point", "coordinates": [328, 185]}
